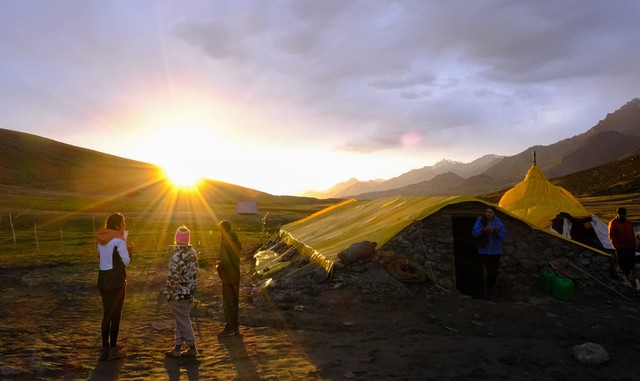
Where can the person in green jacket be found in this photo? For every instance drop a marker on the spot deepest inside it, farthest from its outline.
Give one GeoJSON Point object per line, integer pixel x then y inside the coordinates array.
{"type": "Point", "coordinates": [228, 267]}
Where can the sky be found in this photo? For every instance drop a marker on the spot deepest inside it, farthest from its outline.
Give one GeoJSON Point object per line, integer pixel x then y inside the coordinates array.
{"type": "Point", "coordinates": [285, 96]}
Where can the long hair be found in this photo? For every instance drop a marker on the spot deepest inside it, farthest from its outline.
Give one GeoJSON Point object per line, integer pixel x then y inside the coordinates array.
{"type": "Point", "coordinates": [113, 221]}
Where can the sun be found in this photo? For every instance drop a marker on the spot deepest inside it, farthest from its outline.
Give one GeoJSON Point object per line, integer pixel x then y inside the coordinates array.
{"type": "Point", "coordinates": [182, 177]}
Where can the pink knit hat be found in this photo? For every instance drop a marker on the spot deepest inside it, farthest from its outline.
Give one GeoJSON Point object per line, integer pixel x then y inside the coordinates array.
{"type": "Point", "coordinates": [183, 235]}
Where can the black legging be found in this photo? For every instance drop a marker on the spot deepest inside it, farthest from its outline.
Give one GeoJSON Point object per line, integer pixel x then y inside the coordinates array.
{"type": "Point", "coordinates": [112, 301]}
{"type": "Point", "coordinates": [491, 264]}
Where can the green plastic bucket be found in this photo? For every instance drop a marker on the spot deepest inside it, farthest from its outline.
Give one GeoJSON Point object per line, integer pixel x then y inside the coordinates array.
{"type": "Point", "coordinates": [547, 277]}
{"type": "Point", "coordinates": [562, 288]}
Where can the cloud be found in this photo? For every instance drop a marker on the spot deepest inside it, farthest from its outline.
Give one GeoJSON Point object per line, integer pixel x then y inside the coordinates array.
{"type": "Point", "coordinates": [379, 140]}
{"type": "Point", "coordinates": [409, 80]}
{"type": "Point", "coordinates": [358, 76]}
{"type": "Point", "coordinates": [373, 60]}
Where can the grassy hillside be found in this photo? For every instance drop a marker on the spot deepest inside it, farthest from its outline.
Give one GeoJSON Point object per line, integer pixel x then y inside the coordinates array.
{"type": "Point", "coordinates": [39, 174]}
{"type": "Point", "coordinates": [618, 177]}
{"type": "Point", "coordinates": [35, 162]}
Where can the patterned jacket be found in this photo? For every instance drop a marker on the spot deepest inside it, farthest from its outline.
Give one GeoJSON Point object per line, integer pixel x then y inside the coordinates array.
{"type": "Point", "coordinates": [183, 268]}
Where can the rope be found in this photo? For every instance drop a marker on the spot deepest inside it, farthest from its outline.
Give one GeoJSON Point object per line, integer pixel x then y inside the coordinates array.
{"type": "Point", "coordinates": [600, 282]}
{"type": "Point", "coordinates": [405, 270]}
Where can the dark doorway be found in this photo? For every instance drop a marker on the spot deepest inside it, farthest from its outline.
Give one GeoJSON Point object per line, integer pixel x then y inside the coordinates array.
{"type": "Point", "coordinates": [468, 275]}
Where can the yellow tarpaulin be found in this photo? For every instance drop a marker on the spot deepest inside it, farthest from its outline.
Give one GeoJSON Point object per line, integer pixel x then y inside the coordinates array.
{"type": "Point", "coordinates": [538, 201]}
{"type": "Point", "coordinates": [326, 233]}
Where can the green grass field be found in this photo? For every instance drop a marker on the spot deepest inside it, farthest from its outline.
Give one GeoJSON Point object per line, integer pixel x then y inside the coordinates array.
{"type": "Point", "coordinates": [62, 236]}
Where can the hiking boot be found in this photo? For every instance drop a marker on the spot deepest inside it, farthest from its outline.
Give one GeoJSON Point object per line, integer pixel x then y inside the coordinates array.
{"type": "Point", "coordinates": [191, 352]}
{"type": "Point", "coordinates": [228, 331]}
{"type": "Point", "coordinates": [175, 353]}
{"type": "Point", "coordinates": [116, 353]}
{"type": "Point", "coordinates": [104, 353]}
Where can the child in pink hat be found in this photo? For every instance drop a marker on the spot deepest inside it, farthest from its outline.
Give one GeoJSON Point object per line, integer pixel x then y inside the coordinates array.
{"type": "Point", "coordinates": [179, 290]}
{"type": "Point", "coordinates": [183, 236]}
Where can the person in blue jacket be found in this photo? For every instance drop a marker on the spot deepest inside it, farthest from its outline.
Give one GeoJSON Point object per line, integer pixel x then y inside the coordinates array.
{"type": "Point", "coordinates": [489, 232]}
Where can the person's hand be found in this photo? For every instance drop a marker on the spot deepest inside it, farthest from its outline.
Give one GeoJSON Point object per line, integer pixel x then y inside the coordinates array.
{"type": "Point", "coordinates": [131, 246]}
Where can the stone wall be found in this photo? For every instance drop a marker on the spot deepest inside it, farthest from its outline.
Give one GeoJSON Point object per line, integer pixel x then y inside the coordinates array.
{"type": "Point", "coordinates": [430, 243]}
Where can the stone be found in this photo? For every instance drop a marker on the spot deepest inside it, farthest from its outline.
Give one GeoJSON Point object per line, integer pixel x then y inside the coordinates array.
{"type": "Point", "coordinates": [34, 279]}
{"type": "Point", "coordinates": [590, 354]}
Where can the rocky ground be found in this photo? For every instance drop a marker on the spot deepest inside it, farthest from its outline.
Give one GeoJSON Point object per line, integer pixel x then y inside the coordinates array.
{"type": "Point", "coordinates": [361, 324]}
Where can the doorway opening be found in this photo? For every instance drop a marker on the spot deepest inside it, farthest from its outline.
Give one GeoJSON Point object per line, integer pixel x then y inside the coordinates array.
{"type": "Point", "coordinates": [468, 273]}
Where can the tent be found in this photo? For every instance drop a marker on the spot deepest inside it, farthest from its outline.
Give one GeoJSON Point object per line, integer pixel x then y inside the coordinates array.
{"type": "Point", "coordinates": [247, 207]}
{"type": "Point", "coordinates": [551, 207]}
{"type": "Point", "coordinates": [324, 234]}
{"type": "Point", "coordinates": [432, 232]}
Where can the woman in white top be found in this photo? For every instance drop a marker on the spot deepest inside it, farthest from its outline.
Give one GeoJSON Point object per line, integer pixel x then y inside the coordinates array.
{"type": "Point", "coordinates": [114, 258]}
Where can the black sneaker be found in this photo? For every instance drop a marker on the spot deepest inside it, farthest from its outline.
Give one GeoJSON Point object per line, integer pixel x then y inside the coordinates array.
{"type": "Point", "coordinates": [191, 352]}
{"type": "Point", "coordinates": [116, 353]}
{"type": "Point", "coordinates": [173, 353]}
{"type": "Point", "coordinates": [229, 332]}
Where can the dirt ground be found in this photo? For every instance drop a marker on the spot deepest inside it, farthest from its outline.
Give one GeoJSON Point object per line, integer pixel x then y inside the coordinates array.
{"type": "Point", "coordinates": [360, 325]}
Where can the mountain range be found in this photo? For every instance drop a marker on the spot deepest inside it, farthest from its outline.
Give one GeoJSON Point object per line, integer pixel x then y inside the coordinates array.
{"type": "Point", "coordinates": [602, 161]}
{"type": "Point", "coordinates": [615, 137]}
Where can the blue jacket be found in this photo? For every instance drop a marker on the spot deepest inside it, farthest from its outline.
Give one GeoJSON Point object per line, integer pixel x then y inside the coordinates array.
{"type": "Point", "coordinates": [491, 243]}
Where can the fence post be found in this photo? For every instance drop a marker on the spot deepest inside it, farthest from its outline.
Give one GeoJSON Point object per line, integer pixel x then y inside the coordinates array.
{"type": "Point", "coordinates": [61, 241]}
{"type": "Point", "coordinates": [35, 231]}
{"type": "Point", "coordinates": [263, 233]}
{"type": "Point", "coordinates": [155, 242]}
{"type": "Point", "coordinates": [12, 230]}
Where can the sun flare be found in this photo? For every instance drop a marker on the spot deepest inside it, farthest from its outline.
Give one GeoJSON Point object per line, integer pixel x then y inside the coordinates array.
{"type": "Point", "coordinates": [182, 177]}
{"type": "Point", "coordinates": [180, 148]}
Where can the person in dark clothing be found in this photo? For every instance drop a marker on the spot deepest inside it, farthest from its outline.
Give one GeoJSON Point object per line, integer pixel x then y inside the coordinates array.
{"type": "Point", "coordinates": [624, 241]}
{"type": "Point", "coordinates": [489, 231]}
{"type": "Point", "coordinates": [114, 253]}
{"type": "Point", "coordinates": [228, 267]}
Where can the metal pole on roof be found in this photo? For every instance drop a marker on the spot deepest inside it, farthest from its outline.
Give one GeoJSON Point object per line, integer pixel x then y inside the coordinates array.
{"type": "Point", "coordinates": [534, 157]}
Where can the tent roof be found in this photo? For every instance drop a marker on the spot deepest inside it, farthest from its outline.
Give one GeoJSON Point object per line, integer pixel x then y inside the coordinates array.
{"type": "Point", "coordinates": [324, 234]}
{"type": "Point", "coordinates": [538, 201]}
{"type": "Point", "coordinates": [327, 232]}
